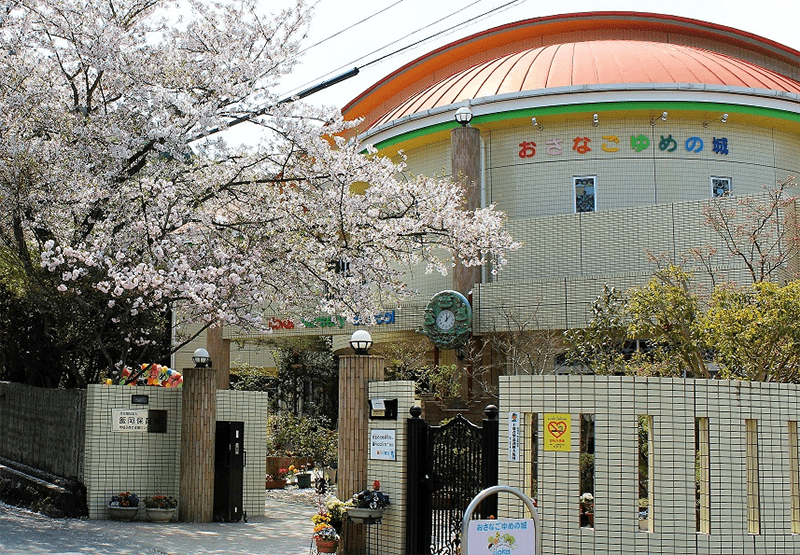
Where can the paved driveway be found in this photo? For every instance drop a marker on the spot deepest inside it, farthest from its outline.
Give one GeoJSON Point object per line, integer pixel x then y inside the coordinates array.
{"type": "Point", "coordinates": [285, 531]}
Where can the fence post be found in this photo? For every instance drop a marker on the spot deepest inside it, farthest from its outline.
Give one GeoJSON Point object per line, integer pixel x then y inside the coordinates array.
{"type": "Point", "coordinates": [416, 542]}
{"type": "Point", "coordinates": [490, 470]}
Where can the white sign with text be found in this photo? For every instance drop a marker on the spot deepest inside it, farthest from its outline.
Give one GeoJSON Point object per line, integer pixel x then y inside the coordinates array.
{"type": "Point", "coordinates": [502, 537]}
{"type": "Point", "coordinates": [513, 436]}
{"type": "Point", "coordinates": [129, 420]}
{"type": "Point", "coordinates": [382, 445]}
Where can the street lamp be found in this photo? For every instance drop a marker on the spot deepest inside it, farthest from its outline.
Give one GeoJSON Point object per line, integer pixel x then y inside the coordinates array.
{"type": "Point", "coordinates": [201, 359]}
{"type": "Point", "coordinates": [463, 116]}
{"type": "Point", "coordinates": [361, 342]}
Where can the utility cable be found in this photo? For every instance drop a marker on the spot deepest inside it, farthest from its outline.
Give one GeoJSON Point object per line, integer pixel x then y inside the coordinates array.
{"type": "Point", "coordinates": [350, 27]}
{"type": "Point", "coordinates": [417, 43]}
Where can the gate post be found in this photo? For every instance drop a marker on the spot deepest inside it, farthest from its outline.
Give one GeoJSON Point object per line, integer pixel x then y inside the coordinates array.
{"type": "Point", "coordinates": [198, 435]}
{"type": "Point", "coordinates": [490, 463]}
{"type": "Point", "coordinates": [355, 373]}
{"type": "Point", "coordinates": [416, 510]}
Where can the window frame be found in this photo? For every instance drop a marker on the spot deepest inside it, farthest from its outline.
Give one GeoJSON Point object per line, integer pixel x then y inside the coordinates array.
{"type": "Point", "coordinates": [575, 179]}
{"type": "Point", "coordinates": [729, 190]}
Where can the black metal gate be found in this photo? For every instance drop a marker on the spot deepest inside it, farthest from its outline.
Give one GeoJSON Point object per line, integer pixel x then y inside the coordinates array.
{"type": "Point", "coordinates": [447, 467]}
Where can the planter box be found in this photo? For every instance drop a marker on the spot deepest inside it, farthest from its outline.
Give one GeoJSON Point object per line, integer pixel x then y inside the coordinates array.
{"type": "Point", "coordinates": [123, 513]}
{"type": "Point", "coordinates": [275, 484]}
{"type": "Point", "coordinates": [161, 515]}
{"type": "Point", "coordinates": [304, 480]}
{"type": "Point", "coordinates": [273, 464]}
{"type": "Point", "coordinates": [364, 516]}
{"type": "Point", "coordinates": [327, 546]}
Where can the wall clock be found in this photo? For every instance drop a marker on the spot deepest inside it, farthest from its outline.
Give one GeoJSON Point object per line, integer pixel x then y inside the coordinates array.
{"type": "Point", "coordinates": [448, 320]}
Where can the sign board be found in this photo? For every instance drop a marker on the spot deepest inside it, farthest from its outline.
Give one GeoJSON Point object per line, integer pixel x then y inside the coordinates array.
{"type": "Point", "coordinates": [382, 445]}
{"type": "Point", "coordinates": [557, 432]}
{"type": "Point", "coordinates": [513, 436]}
{"type": "Point", "coordinates": [502, 537]}
{"type": "Point", "coordinates": [129, 420]}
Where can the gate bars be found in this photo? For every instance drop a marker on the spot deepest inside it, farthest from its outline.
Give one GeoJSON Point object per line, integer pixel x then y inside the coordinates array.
{"type": "Point", "coordinates": [447, 466]}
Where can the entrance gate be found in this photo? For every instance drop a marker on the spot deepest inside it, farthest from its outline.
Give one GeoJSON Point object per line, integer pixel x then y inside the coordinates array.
{"type": "Point", "coordinates": [447, 467]}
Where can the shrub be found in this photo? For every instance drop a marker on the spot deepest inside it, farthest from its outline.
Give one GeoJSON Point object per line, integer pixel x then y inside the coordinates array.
{"type": "Point", "coordinates": [289, 435]}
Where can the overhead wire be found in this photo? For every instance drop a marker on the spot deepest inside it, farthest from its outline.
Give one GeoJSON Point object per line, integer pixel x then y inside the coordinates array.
{"type": "Point", "coordinates": [417, 43]}
{"type": "Point", "coordinates": [356, 24]}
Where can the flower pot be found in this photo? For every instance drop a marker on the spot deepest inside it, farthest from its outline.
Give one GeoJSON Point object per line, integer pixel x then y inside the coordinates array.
{"type": "Point", "coordinates": [304, 480]}
{"type": "Point", "coordinates": [275, 484]}
{"type": "Point", "coordinates": [161, 515]}
{"type": "Point", "coordinates": [327, 546]}
{"type": "Point", "coordinates": [364, 516]}
{"type": "Point", "coordinates": [122, 513]}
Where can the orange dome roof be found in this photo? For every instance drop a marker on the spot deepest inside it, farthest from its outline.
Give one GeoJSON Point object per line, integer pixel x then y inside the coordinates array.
{"type": "Point", "coordinates": [601, 62]}
{"type": "Point", "coordinates": [571, 53]}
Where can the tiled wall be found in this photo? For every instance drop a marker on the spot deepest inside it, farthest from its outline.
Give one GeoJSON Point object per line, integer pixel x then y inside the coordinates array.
{"type": "Point", "coordinates": [673, 404]}
{"type": "Point", "coordinates": [149, 463]}
{"type": "Point", "coordinates": [389, 537]}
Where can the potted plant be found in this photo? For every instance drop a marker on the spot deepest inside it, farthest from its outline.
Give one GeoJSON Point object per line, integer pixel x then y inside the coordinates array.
{"type": "Point", "coordinates": [587, 510]}
{"type": "Point", "coordinates": [326, 538]}
{"type": "Point", "coordinates": [331, 511]}
{"type": "Point", "coordinates": [161, 508]}
{"type": "Point", "coordinates": [366, 507]}
{"type": "Point", "coordinates": [277, 480]}
{"type": "Point", "coordinates": [304, 476]}
{"type": "Point", "coordinates": [123, 506]}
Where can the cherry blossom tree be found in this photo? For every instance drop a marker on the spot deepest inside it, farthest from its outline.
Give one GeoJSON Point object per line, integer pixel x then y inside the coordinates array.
{"type": "Point", "coordinates": [122, 199]}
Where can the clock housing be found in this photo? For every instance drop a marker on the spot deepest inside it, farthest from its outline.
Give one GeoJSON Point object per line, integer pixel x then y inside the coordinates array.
{"type": "Point", "coordinates": [448, 320]}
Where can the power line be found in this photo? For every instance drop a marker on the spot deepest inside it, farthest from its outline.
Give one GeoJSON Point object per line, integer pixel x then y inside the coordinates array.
{"type": "Point", "coordinates": [351, 26]}
{"type": "Point", "coordinates": [417, 43]}
{"type": "Point", "coordinates": [454, 27]}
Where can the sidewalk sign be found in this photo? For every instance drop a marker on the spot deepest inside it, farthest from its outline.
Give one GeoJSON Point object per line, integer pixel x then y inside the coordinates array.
{"type": "Point", "coordinates": [500, 536]}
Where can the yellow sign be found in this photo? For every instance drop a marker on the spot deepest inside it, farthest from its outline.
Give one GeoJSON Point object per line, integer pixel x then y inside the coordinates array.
{"type": "Point", "coordinates": [557, 432]}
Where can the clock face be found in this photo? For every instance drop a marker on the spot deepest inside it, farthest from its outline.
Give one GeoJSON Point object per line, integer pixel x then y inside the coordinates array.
{"type": "Point", "coordinates": [445, 320]}
{"type": "Point", "coordinates": [448, 320]}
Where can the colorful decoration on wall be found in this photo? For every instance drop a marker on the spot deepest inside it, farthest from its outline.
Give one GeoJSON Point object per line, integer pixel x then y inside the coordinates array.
{"type": "Point", "coordinates": [639, 143]}
{"type": "Point", "coordinates": [329, 321]}
{"type": "Point", "coordinates": [150, 374]}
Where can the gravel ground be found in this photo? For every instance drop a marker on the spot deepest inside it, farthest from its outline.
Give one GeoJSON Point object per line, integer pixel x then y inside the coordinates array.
{"type": "Point", "coordinates": [285, 530]}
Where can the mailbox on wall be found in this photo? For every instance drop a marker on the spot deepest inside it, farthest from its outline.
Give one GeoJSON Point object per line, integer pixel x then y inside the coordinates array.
{"type": "Point", "coordinates": [383, 409]}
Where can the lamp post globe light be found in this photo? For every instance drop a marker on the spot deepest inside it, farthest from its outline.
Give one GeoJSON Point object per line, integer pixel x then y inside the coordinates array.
{"type": "Point", "coordinates": [201, 359]}
{"type": "Point", "coordinates": [361, 342]}
{"type": "Point", "coordinates": [463, 116]}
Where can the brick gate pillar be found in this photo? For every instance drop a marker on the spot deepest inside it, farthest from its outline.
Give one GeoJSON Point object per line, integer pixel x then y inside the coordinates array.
{"type": "Point", "coordinates": [198, 434]}
{"type": "Point", "coordinates": [355, 373]}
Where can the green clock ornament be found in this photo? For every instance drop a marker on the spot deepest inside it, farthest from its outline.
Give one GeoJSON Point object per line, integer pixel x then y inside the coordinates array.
{"type": "Point", "coordinates": [448, 320]}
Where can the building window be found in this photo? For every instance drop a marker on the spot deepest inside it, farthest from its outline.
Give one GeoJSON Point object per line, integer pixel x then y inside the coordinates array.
{"type": "Point", "coordinates": [585, 193]}
{"type": "Point", "coordinates": [720, 186]}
